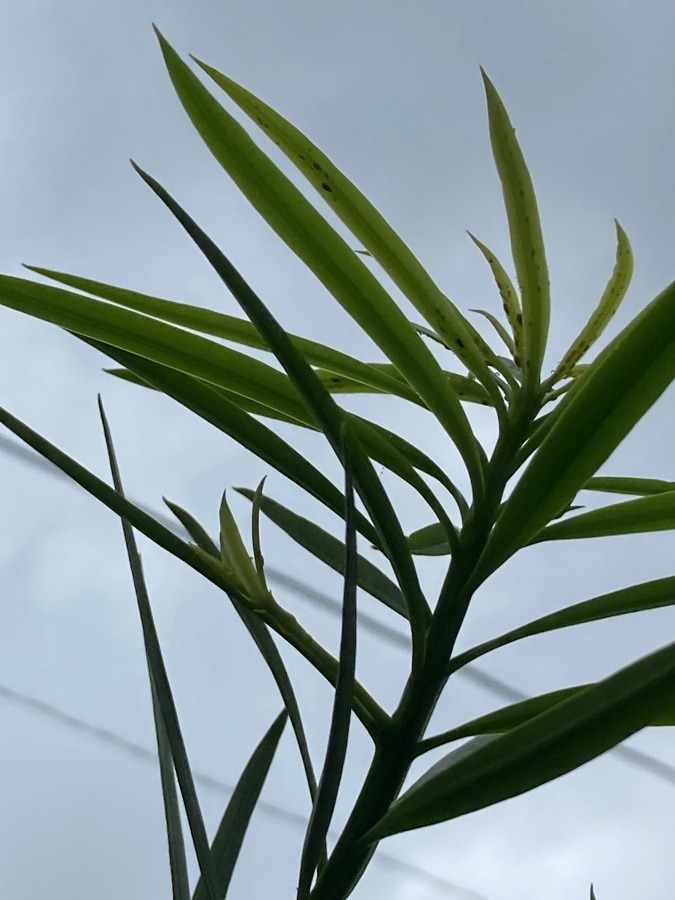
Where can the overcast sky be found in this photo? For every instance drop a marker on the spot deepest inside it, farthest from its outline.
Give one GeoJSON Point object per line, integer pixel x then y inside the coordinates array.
{"type": "Point", "coordinates": [392, 92]}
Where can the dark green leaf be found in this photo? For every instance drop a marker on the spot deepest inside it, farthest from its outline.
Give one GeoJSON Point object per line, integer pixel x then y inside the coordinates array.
{"type": "Point", "coordinates": [232, 829]}
{"type": "Point", "coordinates": [336, 750]}
{"type": "Point", "coordinates": [488, 770]}
{"type": "Point", "coordinates": [651, 513]}
{"type": "Point", "coordinates": [621, 485]}
{"type": "Point", "coordinates": [431, 540]}
{"type": "Point", "coordinates": [164, 696]}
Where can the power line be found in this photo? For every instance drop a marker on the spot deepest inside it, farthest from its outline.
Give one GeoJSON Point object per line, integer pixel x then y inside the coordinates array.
{"type": "Point", "coordinates": [273, 810]}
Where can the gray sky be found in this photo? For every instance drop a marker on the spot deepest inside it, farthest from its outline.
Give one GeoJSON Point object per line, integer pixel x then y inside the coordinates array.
{"type": "Point", "coordinates": [392, 93]}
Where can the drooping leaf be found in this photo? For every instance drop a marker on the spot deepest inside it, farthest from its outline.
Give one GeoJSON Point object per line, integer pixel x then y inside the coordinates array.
{"type": "Point", "coordinates": [325, 411]}
{"type": "Point", "coordinates": [331, 551]}
{"type": "Point", "coordinates": [163, 694]}
{"type": "Point", "coordinates": [336, 750]}
{"type": "Point", "coordinates": [651, 513]}
{"type": "Point", "coordinates": [527, 244]}
{"type": "Point", "coordinates": [592, 420]}
{"type": "Point", "coordinates": [328, 256]}
{"type": "Point", "coordinates": [608, 305]}
{"type": "Point", "coordinates": [368, 226]}
{"type": "Point", "coordinates": [234, 824]}
{"type": "Point", "coordinates": [636, 598]}
{"type": "Point", "coordinates": [488, 770]}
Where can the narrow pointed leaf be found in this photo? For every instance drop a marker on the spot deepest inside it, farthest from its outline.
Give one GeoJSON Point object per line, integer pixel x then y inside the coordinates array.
{"type": "Point", "coordinates": [368, 226]}
{"type": "Point", "coordinates": [327, 414]}
{"type": "Point", "coordinates": [623, 383]}
{"type": "Point", "coordinates": [163, 693]}
{"type": "Point", "coordinates": [232, 328]}
{"type": "Point", "coordinates": [608, 305]}
{"type": "Point", "coordinates": [499, 328]}
{"type": "Point", "coordinates": [331, 259]}
{"type": "Point", "coordinates": [336, 750]}
{"type": "Point", "coordinates": [331, 551]}
{"type": "Point", "coordinates": [509, 296]}
{"type": "Point", "coordinates": [622, 485]}
{"type": "Point", "coordinates": [527, 244]}
{"type": "Point", "coordinates": [232, 829]}
{"type": "Point", "coordinates": [651, 513]}
{"type": "Point", "coordinates": [636, 598]}
{"type": "Point", "coordinates": [574, 731]}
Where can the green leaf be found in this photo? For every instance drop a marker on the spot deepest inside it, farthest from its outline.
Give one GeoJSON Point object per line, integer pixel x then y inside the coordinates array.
{"type": "Point", "coordinates": [509, 717]}
{"type": "Point", "coordinates": [336, 750]}
{"type": "Point", "coordinates": [499, 328]}
{"type": "Point", "coordinates": [326, 413]}
{"type": "Point", "coordinates": [331, 551]}
{"type": "Point", "coordinates": [368, 226]}
{"type": "Point", "coordinates": [622, 485]}
{"type": "Point", "coordinates": [384, 378]}
{"type": "Point", "coordinates": [163, 694]}
{"type": "Point", "coordinates": [431, 540]}
{"type": "Point", "coordinates": [591, 421]}
{"type": "Point", "coordinates": [232, 829]}
{"type": "Point", "coordinates": [234, 554]}
{"type": "Point", "coordinates": [488, 770]}
{"type": "Point", "coordinates": [225, 415]}
{"type": "Point", "coordinates": [527, 244]}
{"type": "Point", "coordinates": [608, 305]}
{"type": "Point", "coordinates": [652, 513]}
{"type": "Point", "coordinates": [636, 598]}
{"type": "Point", "coordinates": [509, 295]}
{"type": "Point", "coordinates": [329, 257]}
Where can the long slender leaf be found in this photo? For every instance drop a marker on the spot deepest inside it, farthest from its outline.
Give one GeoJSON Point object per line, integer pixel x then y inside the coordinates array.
{"type": "Point", "coordinates": [331, 551]}
{"type": "Point", "coordinates": [163, 693]}
{"type": "Point", "coordinates": [232, 829]}
{"type": "Point", "coordinates": [623, 383]}
{"type": "Point", "coordinates": [325, 411]}
{"type": "Point", "coordinates": [331, 259]}
{"type": "Point", "coordinates": [431, 540]}
{"type": "Point", "coordinates": [636, 598]}
{"type": "Point", "coordinates": [336, 750]}
{"type": "Point", "coordinates": [488, 770]}
{"type": "Point", "coordinates": [368, 226]}
{"type": "Point", "coordinates": [527, 244]}
{"type": "Point", "coordinates": [608, 305]}
{"type": "Point", "coordinates": [232, 328]}
{"type": "Point", "coordinates": [368, 711]}
{"type": "Point", "coordinates": [510, 717]}
{"type": "Point", "coordinates": [651, 513]}
{"type": "Point", "coordinates": [621, 485]}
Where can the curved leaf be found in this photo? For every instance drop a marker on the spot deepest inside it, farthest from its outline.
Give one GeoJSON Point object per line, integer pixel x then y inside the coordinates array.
{"type": "Point", "coordinates": [488, 770]}
{"type": "Point", "coordinates": [329, 257]}
{"type": "Point", "coordinates": [623, 383]}
{"type": "Point", "coordinates": [621, 485]}
{"type": "Point", "coordinates": [608, 305]}
{"type": "Point", "coordinates": [368, 226]}
{"type": "Point", "coordinates": [527, 244]}
{"type": "Point", "coordinates": [652, 513]}
{"type": "Point", "coordinates": [636, 598]}
{"type": "Point", "coordinates": [431, 540]}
